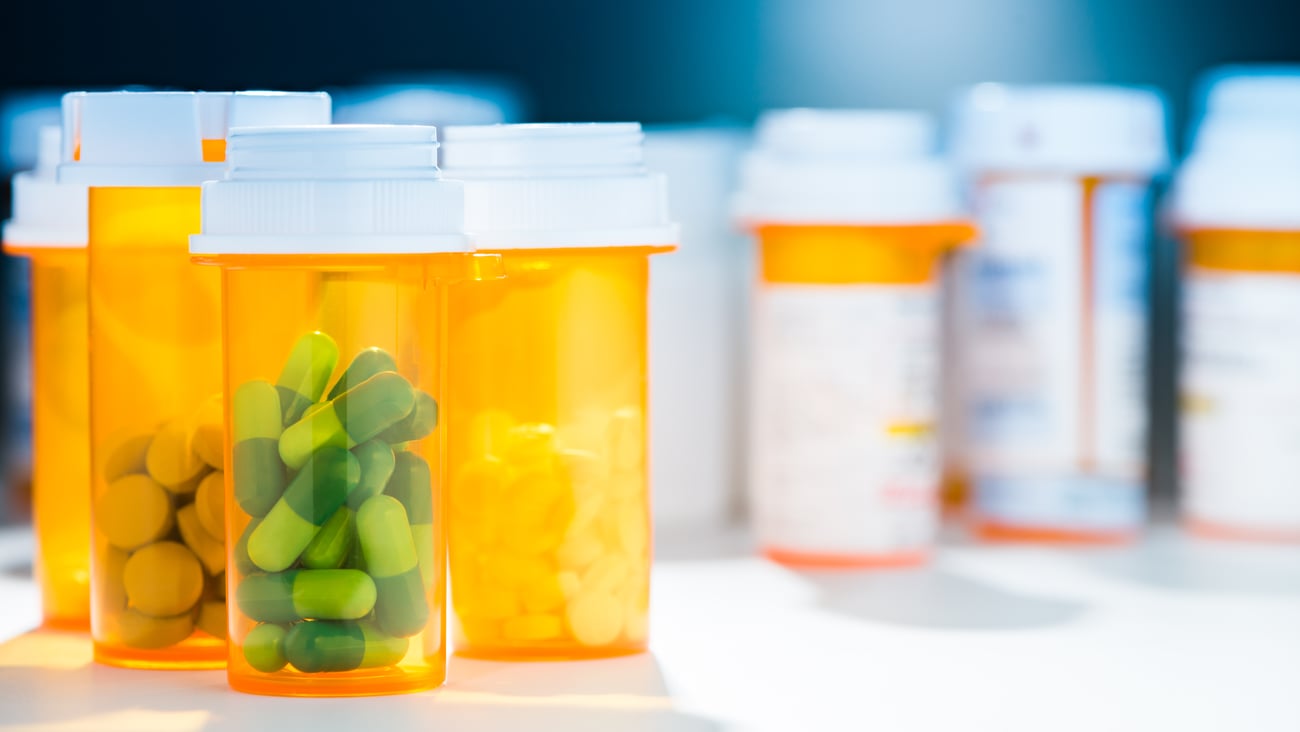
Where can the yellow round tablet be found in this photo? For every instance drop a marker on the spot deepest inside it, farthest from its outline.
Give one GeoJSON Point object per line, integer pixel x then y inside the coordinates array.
{"type": "Point", "coordinates": [138, 630]}
{"type": "Point", "coordinates": [163, 579]}
{"type": "Point", "coordinates": [171, 460]}
{"type": "Point", "coordinates": [212, 619]}
{"type": "Point", "coordinates": [208, 432]}
{"type": "Point", "coordinates": [595, 618]}
{"type": "Point", "coordinates": [127, 456]}
{"type": "Point", "coordinates": [133, 511]}
{"type": "Point", "coordinates": [209, 551]}
{"type": "Point", "coordinates": [210, 502]}
{"type": "Point", "coordinates": [532, 627]}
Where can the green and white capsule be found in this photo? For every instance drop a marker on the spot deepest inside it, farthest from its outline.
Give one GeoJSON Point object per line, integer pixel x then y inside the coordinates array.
{"type": "Point", "coordinates": [319, 489]}
{"type": "Point", "coordinates": [264, 647]}
{"type": "Point", "coordinates": [412, 485]}
{"type": "Point", "coordinates": [366, 364]}
{"type": "Point", "coordinates": [401, 608]}
{"type": "Point", "coordinates": [353, 417]}
{"type": "Point", "coordinates": [415, 426]}
{"type": "Point", "coordinates": [377, 463]}
{"type": "Point", "coordinates": [306, 374]}
{"type": "Point", "coordinates": [333, 543]}
{"type": "Point", "coordinates": [259, 475]}
{"type": "Point", "coordinates": [302, 594]}
{"type": "Point", "coordinates": [325, 645]}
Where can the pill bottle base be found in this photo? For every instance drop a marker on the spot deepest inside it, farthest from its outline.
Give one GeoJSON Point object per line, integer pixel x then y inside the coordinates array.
{"type": "Point", "coordinates": [481, 652]}
{"type": "Point", "coordinates": [66, 624]}
{"type": "Point", "coordinates": [814, 560]}
{"type": "Point", "coordinates": [197, 655]}
{"type": "Point", "coordinates": [346, 683]}
{"type": "Point", "coordinates": [995, 531]}
{"type": "Point", "coordinates": [1218, 531]}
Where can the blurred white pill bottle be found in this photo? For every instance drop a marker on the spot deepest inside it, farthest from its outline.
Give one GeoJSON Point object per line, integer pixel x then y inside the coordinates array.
{"type": "Point", "coordinates": [1236, 207]}
{"type": "Point", "coordinates": [1046, 406]}
{"type": "Point", "coordinates": [852, 212]}
{"type": "Point", "coordinates": [697, 331]}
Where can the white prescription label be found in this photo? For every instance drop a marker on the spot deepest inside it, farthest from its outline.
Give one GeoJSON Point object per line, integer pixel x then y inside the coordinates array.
{"type": "Point", "coordinates": [1051, 330]}
{"type": "Point", "coordinates": [845, 395]}
{"type": "Point", "coordinates": [1241, 399]}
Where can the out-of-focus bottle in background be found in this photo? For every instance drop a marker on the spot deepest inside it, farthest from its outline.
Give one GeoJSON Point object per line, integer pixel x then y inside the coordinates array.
{"type": "Point", "coordinates": [47, 234]}
{"type": "Point", "coordinates": [440, 100]}
{"type": "Point", "coordinates": [852, 211]}
{"type": "Point", "coordinates": [697, 330]}
{"type": "Point", "coordinates": [1236, 206]}
{"type": "Point", "coordinates": [22, 115]}
{"type": "Point", "coordinates": [1048, 323]}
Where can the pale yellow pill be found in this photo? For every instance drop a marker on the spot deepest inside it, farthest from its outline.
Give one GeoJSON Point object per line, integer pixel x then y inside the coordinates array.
{"type": "Point", "coordinates": [171, 460]}
{"type": "Point", "coordinates": [209, 551]}
{"type": "Point", "coordinates": [133, 511]}
{"type": "Point", "coordinates": [570, 583]}
{"type": "Point", "coordinates": [532, 628]}
{"type": "Point", "coordinates": [111, 566]}
{"type": "Point", "coordinates": [579, 550]}
{"type": "Point", "coordinates": [212, 619]}
{"type": "Point", "coordinates": [489, 603]}
{"type": "Point", "coordinates": [163, 579]}
{"type": "Point", "coordinates": [584, 471]}
{"type": "Point", "coordinates": [478, 630]}
{"type": "Point", "coordinates": [542, 595]}
{"type": "Point", "coordinates": [595, 618]}
{"type": "Point", "coordinates": [633, 528]}
{"type": "Point", "coordinates": [480, 486]}
{"type": "Point", "coordinates": [207, 432]}
{"type": "Point", "coordinates": [126, 456]}
{"type": "Point", "coordinates": [607, 574]}
{"type": "Point", "coordinates": [489, 432]}
{"type": "Point", "coordinates": [626, 440]}
{"type": "Point", "coordinates": [210, 501]}
{"type": "Point", "coordinates": [138, 630]}
{"type": "Point", "coordinates": [529, 444]}
{"type": "Point", "coordinates": [628, 485]}
{"type": "Point", "coordinates": [636, 624]}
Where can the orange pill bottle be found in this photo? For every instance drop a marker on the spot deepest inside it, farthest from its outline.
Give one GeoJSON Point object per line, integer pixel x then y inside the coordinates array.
{"type": "Point", "coordinates": [49, 228]}
{"type": "Point", "coordinates": [549, 494]}
{"type": "Point", "coordinates": [334, 311]}
{"type": "Point", "coordinates": [157, 571]}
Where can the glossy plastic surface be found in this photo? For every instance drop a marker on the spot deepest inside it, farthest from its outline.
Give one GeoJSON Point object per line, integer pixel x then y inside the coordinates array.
{"type": "Point", "coordinates": [550, 514]}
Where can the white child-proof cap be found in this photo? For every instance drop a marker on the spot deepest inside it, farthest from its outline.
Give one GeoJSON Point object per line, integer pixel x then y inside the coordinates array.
{"type": "Point", "coordinates": [855, 167]}
{"type": "Point", "coordinates": [556, 186]}
{"type": "Point", "coordinates": [145, 139]}
{"type": "Point", "coordinates": [1071, 129]}
{"type": "Point", "coordinates": [1244, 167]}
{"type": "Point", "coordinates": [47, 213]}
{"type": "Point", "coordinates": [341, 189]}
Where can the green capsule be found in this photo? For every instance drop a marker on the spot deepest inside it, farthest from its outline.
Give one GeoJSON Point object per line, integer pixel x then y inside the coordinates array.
{"type": "Point", "coordinates": [317, 491]}
{"type": "Point", "coordinates": [416, 425]}
{"type": "Point", "coordinates": [333, 543]}
{"type": "Point", "coordinates": [264, 647]}
{"type": "Point", "coordinates": [366, 364]}
{"type": "Point", "coordinates": [353, 417]}
{"type": "Point", "coordinates": [377, 463]}
{"type": "Point", "coordinates": [258, 473]}
{"type": "Point", "coordinates": [325, 645]}
{"type": "Point", "coordinates": [306, 374]}
{"type": "Point", "coordinates": [401, 608]}
{"type": "Point", "coordinates": [300, 594]}
{"type": "Point", "coordinates": [412, 484]}
{"type": "Point", "coordinates": [239, 555]}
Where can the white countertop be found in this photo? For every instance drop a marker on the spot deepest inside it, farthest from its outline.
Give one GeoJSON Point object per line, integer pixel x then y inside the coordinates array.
{"type": "Point", "coordinates": [1171, 634]}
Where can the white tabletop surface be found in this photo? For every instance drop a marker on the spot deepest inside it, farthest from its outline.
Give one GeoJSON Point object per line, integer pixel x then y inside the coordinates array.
{"type": "Point", "coordinates": [1173, 634]}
